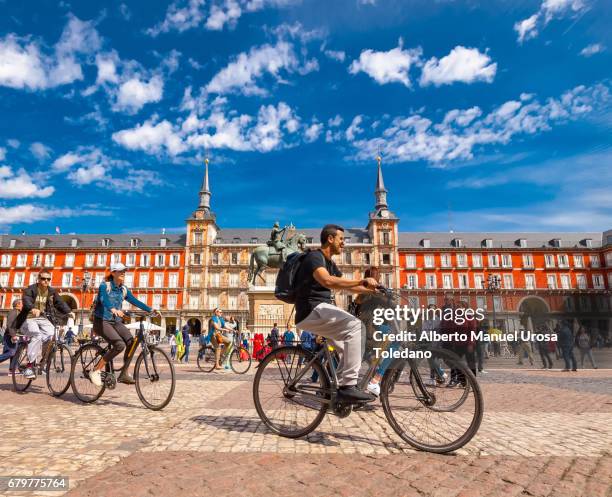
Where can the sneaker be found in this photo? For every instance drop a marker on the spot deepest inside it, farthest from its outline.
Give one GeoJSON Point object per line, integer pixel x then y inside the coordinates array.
{"type": "Point", "coordinates": [452, 384]}
{"type": "Point", "coordinates": [374, 388]}
{"type": "Point", "coordinates": [126, 378]}
{"type": "Point", "coordinates": [353, 394]}
{"type": "Point", "coordinates": [482, 371]}
{"type": "Point", "coordinates": [29, 374]}
{"type": "Point", "coordinates": [96, 378]}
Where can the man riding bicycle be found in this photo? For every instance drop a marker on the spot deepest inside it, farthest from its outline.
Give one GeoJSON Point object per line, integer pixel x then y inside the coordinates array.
{"type": "Point", "coordinates": [315, 312]}
{"type": "Point", "coordinates": [219, 334]}
{"type": "Point", "coordinates": [108, 322]}
{"type": "Point", "coordinates": [40, 303]}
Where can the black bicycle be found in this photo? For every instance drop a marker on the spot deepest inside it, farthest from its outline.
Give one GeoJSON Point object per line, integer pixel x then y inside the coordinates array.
{"type": "Point", "coordinates": [239, 359]}
{"type": "Point", "coordinates": [154, 372]}
{"type": "Point", "coordinates": [437, 417]}
{"type": "Point", "coordinates": [55, 362]}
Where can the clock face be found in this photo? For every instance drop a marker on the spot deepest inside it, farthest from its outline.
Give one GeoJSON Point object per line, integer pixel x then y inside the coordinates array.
{"type": "Point", "coordinates": [384, 213]}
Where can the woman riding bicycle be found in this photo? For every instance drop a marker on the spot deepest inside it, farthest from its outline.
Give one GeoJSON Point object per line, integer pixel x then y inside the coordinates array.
{"type": "Point", "coordinates": [109, 325]}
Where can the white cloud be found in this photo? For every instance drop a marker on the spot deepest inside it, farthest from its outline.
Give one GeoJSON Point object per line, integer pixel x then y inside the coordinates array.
{"type": "Point", "coordinates": [527, 28]}
{"type": "Point", "coordinates": [461, 132]}
{"type": "Point", "coordinates": [23, 65]}
{"type": "Point", "coordinates": [466, 65]}
{"type": "Point", "coordinates": [312, 132]}
{"type": "Point", "coordinates": [549, 9]}
{"type": "Point", "coordinates": [151, 138]}
{"type": "Point", "coordinates": [89, 165]}
{"type": "Point", "coordinates": [338, 55]}
{"type": "Point", "coordinates": [353, 130]}
{"type": "Point", "coordinates": [107, 67]}
{"type": "Point", "coordinates": [40, 151]}
{"type": "Point", "coordinates": [13, 143]}
{"type": "Point", "coordinates": [134, 94]}
{"type": "Point", "coordinates": [220, 15]}
{"type": "Point", "coordinates": [242, 74]}
{"type": "Point", "coordinates": [392, 66]}
{"type": "Point", "coordinates": [28, 213]}
{"type": "Point", "coordinates": [125, 12]}
{"type": "Point", "coordinates": [180, 18]}
{"type": "Point", "coordinates": [88, 174]}
{"type": "Point", "coordinates": [336, 121]}
{"type": "Point", "coordinates": [65, 162]}
{"type": "Point", "coordinates": [20, 185]}
{"type": "Point", "coordinates": [593, 49]}
{"type": "Point", "coordinates": [184, 15]}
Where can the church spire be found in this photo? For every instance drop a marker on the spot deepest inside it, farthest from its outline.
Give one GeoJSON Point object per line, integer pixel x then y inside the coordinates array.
{"type": "Point", "coordinates": [381, 192]}
{"type": "Point", "coordinates": [205, 190]}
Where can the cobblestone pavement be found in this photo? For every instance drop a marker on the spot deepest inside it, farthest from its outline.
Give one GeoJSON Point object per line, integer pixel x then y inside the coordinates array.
{"type": "Point", "coordinates": [544, 433]}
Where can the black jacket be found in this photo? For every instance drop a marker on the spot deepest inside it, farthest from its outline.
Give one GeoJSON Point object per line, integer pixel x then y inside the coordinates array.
{"type": "Point", "coordinates": [10, 322]}
{"type": "Point", "coordinates": [54, 303]}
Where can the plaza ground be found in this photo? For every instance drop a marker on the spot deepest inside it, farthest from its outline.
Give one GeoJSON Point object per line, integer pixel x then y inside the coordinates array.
{"type": "Point", "coordinates": [544, 433]}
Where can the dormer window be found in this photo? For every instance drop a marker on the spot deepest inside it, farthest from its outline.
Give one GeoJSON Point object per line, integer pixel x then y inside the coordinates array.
{"type": "Point", "coordinates": [42, 243]}
{"type": "Point", "coordinates": [426, 243]}
{"type": "Point", "coordinates": [218, 240]}
{"type": "Point", "coordinates": [12, 243]}
{"type": "Point", "coordinates": [588, 242]}
{"type": "Point", "coordinates": [163, 242]}
{"type": "Point", "coordinates": [74, 242]}
{"type": "Point", "coordinates": [457, 242]}
{"type": "Point", "coordinates": [309, 239]}
{"type": "Point", "coordinates": [487, 242]}
{"type": "Point", "coordinates": [236, 240]}
{"type": "Point", "coordinates": [556, 242]}
{"type": "Point", "coordinates": [365, 240]}
{"type": "Point", "coordinates": [254, 240]}
{"type": "Point", "coordinates": [134, 242]}
{"type": "Point", "coordinates": [106, 242]}
{"type": "Point", "coordinates": [347, 239]}
{"type": "Point", "coordinates": [522, 242]}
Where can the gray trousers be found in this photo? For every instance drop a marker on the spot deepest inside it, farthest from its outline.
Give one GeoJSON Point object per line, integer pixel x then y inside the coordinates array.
{"type": "Point", "coordinates": [344, 330]}
{"type": "Point", "coordinates": [41, 330]}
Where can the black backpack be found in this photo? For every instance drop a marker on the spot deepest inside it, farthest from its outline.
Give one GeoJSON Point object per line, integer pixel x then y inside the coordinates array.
{"type": "Point", "coordinates": [286, 285]}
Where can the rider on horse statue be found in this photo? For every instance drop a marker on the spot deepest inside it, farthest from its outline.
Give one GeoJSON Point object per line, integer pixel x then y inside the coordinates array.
{"type": "Point", "coordinates": [276, 240]}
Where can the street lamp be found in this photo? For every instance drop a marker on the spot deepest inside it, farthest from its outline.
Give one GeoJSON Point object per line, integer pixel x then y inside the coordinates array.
{"type": "Point", "coordinates": [493, 284]}
{"type": "Point", "coordinates": [84, 287]}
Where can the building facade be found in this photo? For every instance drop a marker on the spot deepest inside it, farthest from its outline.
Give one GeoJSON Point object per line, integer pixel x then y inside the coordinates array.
{"type": "Point", "coordinates": [187, 276]}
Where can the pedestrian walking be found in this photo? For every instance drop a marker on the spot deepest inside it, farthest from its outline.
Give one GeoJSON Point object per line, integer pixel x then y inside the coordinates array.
{"type": "Point", "coordinates": [172, 343]}
{"type": "Point", "coordinates": [274, 336]}
{"type": "Point", "coordinates": [566, 344]}
{"type": "Point", "coordinates": [543, 350]}
{"type": "Point", "coordinates": [186, 342]}
{"type": "Point", "coordinates": [583, 341]}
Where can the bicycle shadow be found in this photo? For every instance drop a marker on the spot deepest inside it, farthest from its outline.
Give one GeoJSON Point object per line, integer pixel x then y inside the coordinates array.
{"type": "Point", "coordinates": [42, 390]}
{"type": "Point", "coordinates": [251, 424]}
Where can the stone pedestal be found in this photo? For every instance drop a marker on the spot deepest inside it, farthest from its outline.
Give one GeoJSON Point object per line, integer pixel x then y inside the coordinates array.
{"type": "Point", "coordinates": [265, 310]}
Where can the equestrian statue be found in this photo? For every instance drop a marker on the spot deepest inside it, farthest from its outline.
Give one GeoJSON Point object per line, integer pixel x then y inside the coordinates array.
{"type": "Point", "coordinates": [274, 253]}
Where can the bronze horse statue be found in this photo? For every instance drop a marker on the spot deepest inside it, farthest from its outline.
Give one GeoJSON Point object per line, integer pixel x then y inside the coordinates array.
{"type": "Point", "coordinates": [264, 256]}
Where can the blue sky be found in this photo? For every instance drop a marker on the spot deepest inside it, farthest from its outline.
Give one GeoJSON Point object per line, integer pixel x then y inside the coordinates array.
{"type": "Point", "coordinates": [489, 115]}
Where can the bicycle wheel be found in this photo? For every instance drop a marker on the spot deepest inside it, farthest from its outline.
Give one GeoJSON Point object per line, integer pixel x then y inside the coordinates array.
{"type": "Point", "coordinates": [434, 418]}
{"type": "Point", "coordinates": [84, 361]}
{"type": "Point", "coordinates": [58, 369]}
{"type": "Point", "coordinates": [155, 378]}
{"type": "Point", "coordinates": [240, 360]}
{"type": "Point", "coordinates": [293, 412]}
{"type": "Point", "coordinates": [19, 363]}
{"type": "Point", "coordinates": [206, 359]}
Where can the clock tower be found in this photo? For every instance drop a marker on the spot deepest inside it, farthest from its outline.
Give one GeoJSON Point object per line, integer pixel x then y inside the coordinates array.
{"type": "Point", "coordinates": [383, 230]}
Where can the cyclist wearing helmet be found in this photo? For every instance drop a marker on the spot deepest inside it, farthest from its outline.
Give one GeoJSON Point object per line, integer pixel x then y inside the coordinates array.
{"type": "Point", "coordinates": [108, 322]}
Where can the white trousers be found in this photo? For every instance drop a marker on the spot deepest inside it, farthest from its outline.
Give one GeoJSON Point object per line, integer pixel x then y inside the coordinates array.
{"type": "Point", "coordinates": [344, 330]}
{"type": "Point", "coordinates": [40, 330]}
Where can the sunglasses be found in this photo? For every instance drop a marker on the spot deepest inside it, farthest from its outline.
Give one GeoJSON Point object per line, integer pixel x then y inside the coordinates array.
{"type": "Point", "coordinates": [44, 279]}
